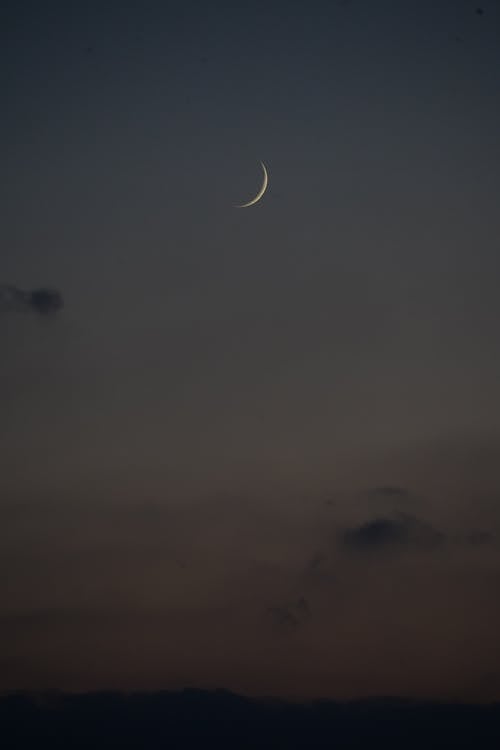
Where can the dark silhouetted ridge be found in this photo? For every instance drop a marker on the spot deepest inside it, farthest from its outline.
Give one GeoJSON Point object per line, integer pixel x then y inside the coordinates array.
{"type": "Point", "coordinates": [220, 719]}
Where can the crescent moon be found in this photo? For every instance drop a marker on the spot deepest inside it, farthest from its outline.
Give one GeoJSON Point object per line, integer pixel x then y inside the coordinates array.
{"type": "Point", "coordinates": [260, 193]}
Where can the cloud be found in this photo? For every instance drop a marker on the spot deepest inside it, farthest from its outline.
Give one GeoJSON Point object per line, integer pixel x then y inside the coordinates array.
{"type": "Point", "coordinates": [43, 301]}
{"type": "Point", "coordinates": [289, 616]}
{"type": "Point", "coordinates": [302, 607]}
{"type": "Point", "coordinates": [283, 617]}
{"type": "Point", "coordinates": [316, 562]}
{"type": "Point", "coordinates": [391, 533]}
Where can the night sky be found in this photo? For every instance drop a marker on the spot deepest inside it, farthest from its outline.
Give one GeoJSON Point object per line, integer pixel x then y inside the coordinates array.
{"type": "Point", "coordinates": [255, 449]}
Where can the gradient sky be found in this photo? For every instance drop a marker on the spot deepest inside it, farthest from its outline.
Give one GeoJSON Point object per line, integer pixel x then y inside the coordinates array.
{"type": "Point", "coordinates": [257, 449]}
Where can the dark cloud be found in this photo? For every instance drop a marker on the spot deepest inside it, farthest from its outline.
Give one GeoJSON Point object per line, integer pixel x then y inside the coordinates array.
{"type": "Point", "coordinates": [302, 607]}
{"type": "Point", "coordinates": [284, 617]}
{"type": "Point", "coordinates": [43, 301]}
{"type": "Point", "coordinates": [316, 562]}
{"type": "Point", "coordinates": [289, 616]}
{"type": "Point", "coordinates": [384, 533]}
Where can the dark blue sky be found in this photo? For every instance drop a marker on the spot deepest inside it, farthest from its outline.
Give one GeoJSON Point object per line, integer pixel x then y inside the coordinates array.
{"type": "Point", "coordinates": [257, 448]}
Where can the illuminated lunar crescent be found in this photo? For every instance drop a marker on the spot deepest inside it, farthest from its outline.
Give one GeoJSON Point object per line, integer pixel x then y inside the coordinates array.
{"type": "Point", "coordinates": [260, 193]}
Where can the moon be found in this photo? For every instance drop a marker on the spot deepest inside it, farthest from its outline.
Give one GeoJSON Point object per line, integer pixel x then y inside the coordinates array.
{"type": "Point", "coordinates": [261, 191]}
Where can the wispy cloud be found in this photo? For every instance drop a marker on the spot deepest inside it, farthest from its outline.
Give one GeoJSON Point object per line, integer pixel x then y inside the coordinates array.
{"type": "Point", "coordinates": [43, 301]}
{"type": "Point", "coordinates": [288, 617]}
{"type": "Point", "coordinates": [392, 533]}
